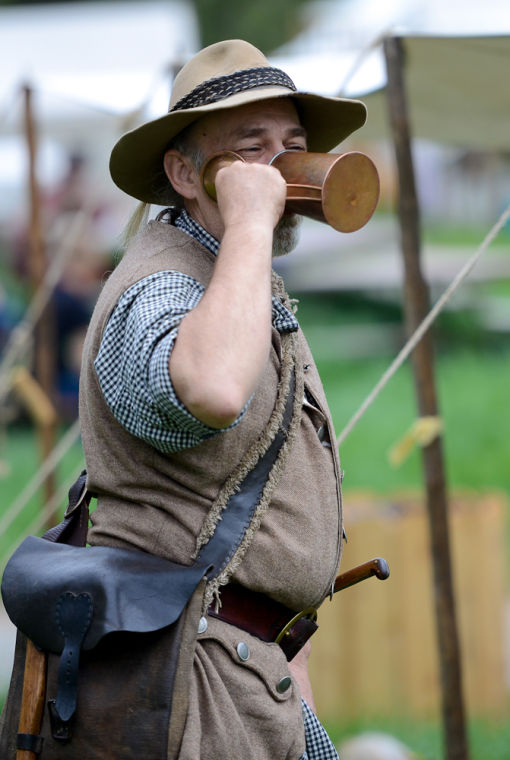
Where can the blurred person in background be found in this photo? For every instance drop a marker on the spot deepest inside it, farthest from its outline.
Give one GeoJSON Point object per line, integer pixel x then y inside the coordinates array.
{"type": "Point", "coordinates": [79, 281]}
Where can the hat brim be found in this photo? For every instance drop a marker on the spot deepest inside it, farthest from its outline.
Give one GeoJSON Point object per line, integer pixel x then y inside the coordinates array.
{"type": "Point", "coordinates": [136, 162]}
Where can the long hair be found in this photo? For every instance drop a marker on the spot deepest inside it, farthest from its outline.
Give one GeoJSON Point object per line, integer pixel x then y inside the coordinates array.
{"type": "Point", "coordinates": [185, 144]}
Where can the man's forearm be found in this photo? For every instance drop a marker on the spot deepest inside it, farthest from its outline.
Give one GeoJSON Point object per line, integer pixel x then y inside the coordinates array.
{"type": "Point", "coordinates": [223, 344]}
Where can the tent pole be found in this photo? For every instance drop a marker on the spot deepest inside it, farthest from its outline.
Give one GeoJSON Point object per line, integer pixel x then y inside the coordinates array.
{"type": "Point", "coordinates": [44, 335]}
{"type": "Point", "coordinates": [416, 306]}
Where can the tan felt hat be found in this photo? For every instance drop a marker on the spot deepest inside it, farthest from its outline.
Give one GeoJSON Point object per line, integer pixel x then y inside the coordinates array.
{"type": "Point", "coordinates": [224, 75]}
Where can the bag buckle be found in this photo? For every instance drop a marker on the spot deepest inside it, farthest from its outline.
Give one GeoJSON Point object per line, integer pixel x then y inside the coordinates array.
{"type": "Point", "coordinates": [309, 612]}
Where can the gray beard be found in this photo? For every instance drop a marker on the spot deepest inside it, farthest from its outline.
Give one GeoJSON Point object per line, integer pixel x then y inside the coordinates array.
{"type": "Point", "coordinates": [286, 235]}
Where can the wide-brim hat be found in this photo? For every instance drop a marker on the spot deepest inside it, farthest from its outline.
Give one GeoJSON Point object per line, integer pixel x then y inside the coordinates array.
{"type": "Point", "coordinates": [224, 75]}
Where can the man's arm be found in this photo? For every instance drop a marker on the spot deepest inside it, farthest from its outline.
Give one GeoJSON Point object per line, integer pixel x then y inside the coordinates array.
{"type": "Point", "coordinates": [132, 362]}
{"type": "Point", "coordinates": [223, 344]}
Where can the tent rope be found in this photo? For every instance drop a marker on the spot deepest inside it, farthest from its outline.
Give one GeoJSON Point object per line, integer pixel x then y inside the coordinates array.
{"type": "Point", "coordinates": [168, 69]}
{"type": "Point", "coordinates": [9, 105]}
{"type": "Point", "coordinates": [52, 505]}
{"type": "Point", "coordinates": [40, 476]}
{"type": "Point", "coordinates": [423, 327]}
{"type": "Point", "coordinates": [358, 61]}
{"type": "Point", "coordinates": [47, 513]}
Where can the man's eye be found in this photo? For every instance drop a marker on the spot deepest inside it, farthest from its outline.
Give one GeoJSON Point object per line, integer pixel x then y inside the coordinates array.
{"type": "Point", "coordinates": [296, 147]}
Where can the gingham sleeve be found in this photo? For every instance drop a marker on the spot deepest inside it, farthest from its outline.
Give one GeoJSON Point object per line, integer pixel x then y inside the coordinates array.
{"type": "Point", "coordinates": [318, 744]}
{"type": "Point", "coordinates": [132, 362]}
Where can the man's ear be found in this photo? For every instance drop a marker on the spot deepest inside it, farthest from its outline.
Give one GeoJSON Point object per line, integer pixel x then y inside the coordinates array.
{"type": "Point", "coordinates": [181, 173]}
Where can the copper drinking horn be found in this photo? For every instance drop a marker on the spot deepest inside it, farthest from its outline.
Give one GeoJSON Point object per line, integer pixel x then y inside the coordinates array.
{"type": "Point", "coordinates": [341, 190]}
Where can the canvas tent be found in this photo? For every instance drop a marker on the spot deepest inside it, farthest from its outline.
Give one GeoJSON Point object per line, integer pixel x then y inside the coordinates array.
{"type": "Point", "coordinates": [457, 62]}
{"type": "Point", "coordinates": [107, 56]}
{"type": "Point", "coordinates": [96, 68]}
{"type": "Point", "coordinates": [457, 91]}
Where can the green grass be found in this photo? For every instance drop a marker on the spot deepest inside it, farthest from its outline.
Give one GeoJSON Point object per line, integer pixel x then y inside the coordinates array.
{"type": "Point", "coordinates": [19, 460]}
{"type": "Point", "coordinates": [422, 737]}
{"type": "Point", "coordinates": [488, 740]}
{"type": "Point", "coordinates": [472, 370]}
{"type": "Point", "coordinates": [473, 400]}
{"type": "Point", "coordinates": [444, 234]}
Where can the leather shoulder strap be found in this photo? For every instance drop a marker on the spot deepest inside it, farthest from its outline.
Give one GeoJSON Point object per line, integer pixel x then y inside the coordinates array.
{"type": "Point", "coordinates": [229, 530]}
{"type": "Point", "coordinates": [239, 510]}
{"type": "Point", "coordinates": [73, 528]}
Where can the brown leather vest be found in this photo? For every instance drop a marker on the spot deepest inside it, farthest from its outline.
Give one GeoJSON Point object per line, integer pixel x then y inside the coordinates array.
{"type": "Point", "coordinates": [161, 503]}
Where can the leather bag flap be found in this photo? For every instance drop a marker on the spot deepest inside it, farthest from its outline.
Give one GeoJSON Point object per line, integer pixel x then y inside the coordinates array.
{"type": "Point", "coordinates": [130, 590]}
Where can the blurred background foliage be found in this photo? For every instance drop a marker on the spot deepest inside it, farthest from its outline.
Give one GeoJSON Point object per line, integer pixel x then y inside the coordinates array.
{"type": "Point", "coordinates": [229, 19]}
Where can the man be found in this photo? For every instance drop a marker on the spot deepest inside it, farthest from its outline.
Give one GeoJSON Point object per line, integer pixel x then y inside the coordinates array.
{"type": "Point", "coordinates": [191, 358]}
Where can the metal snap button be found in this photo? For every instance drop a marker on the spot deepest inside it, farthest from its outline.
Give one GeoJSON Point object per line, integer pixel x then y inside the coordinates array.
{"type": "Point", "coordinates": [202, 625]}
{"type": "Point", "coordinates": [243, 651]}
{"type": "Point", "coordinates": [283, 684]}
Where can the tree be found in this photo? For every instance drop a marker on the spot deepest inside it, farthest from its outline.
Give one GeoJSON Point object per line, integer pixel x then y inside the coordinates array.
{"type": "Point", "coordinates": [267, 24]}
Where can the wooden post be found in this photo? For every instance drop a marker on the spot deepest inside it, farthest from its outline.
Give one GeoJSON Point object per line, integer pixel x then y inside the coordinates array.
{"type": "Point", "coordinates": [44, 353]}
{"type": "Point", "coordinates": [33, 698]}
{"type": "Point", "coordinates": [416, 305]}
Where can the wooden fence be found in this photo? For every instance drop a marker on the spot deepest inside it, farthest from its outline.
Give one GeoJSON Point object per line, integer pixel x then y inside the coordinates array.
{"type": "Point", "coordinates": [375, 651]}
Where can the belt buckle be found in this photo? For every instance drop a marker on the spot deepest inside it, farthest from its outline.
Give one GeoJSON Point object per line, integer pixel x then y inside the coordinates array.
{"type": "Point", "coordinates": [310, 612]}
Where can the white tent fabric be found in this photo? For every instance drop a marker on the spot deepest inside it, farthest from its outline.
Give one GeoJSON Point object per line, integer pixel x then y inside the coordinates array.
{"type": "Point", "coordinates": [99, 68]}
{"type": "Point", "coordinates": [92, 60]}
{"type": "Point", "coordinates": [330, 25]}
{"type": "Point", "coordinates": [96, 69]}
{"type": "Point", "coordinates": [458, 91]}
{"type": "Point", "coordinates": [457, 64]}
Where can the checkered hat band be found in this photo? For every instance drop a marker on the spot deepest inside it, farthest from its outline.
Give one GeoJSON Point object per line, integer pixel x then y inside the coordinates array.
{"type": "Point", "coordinates": [219, 88]}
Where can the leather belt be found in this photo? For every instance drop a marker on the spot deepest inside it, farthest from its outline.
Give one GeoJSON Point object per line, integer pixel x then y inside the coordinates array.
{"type": "Point", "coordinates": [265, 618]}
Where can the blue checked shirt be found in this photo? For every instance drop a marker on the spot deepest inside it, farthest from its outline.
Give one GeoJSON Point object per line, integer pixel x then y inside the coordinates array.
{"type": "Point", "coordinates": [132, 363]}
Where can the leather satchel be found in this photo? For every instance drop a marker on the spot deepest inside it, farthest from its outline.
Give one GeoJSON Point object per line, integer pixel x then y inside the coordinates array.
{"type": "Point", "coordinates": [119, 628]}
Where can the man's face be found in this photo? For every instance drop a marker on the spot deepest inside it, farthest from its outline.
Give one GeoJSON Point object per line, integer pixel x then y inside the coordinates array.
{"type": "Point", "coordinates": [256, 131]}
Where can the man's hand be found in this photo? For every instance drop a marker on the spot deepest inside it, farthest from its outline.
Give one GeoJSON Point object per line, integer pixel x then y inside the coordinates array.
{"type": "Point", "coordinates": [250, 193]}
{"type": "Point", "coordinates": [299, 670]}
{"type": "Point", "coordinates": [223, 344]}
